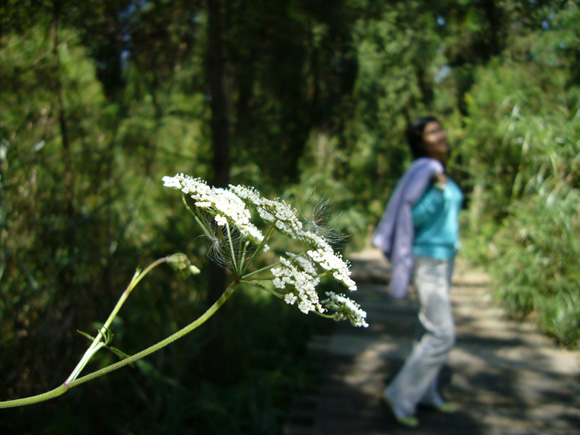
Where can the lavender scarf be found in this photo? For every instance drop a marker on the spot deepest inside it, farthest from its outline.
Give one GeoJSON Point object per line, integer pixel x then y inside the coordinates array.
{"type": "Point", "coordinates": [394, 234]}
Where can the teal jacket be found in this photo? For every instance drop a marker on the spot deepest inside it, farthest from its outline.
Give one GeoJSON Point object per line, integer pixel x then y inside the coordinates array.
{"type": "Point", "coordinates": [436, 222]}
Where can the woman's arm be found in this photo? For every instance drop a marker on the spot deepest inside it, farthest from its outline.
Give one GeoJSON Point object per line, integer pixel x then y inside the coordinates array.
{"type": "Point", "coordinates": [430, 204]}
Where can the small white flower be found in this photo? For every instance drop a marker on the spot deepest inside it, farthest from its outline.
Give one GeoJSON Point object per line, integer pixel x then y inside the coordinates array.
{"type": "Point", "coordinates": [346, 309]}
{"type": "Point", "coordinates": [221, 220]}
{"type": "Point", "coordinates": [304, 263]}
{"type": "Point", "coordinates": [286, 218]}
{"type": "Point", "coordinates": [328, 260]}
{"type": "Point", "coordinates": [301, 286]}
{"type": "Point", "coordinates": [172, 182]}
{"type": "Point", "coordinates": [277, 271]}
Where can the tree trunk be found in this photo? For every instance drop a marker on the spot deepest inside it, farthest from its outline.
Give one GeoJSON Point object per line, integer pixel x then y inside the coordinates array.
{"type": "Point", "coordinates": [220, 125]}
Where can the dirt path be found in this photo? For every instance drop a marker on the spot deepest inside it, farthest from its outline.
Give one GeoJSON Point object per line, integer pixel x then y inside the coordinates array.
{"type": "Point", "coordinates": [504, 376]}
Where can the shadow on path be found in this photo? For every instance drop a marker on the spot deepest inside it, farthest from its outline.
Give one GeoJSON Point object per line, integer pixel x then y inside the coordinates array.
{"type": "Point", "coordinates": [504, 377]}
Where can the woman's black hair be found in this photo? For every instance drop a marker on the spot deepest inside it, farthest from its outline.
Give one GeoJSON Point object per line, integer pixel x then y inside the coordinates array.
{"type": "Point", "coordinates": [415, 135]}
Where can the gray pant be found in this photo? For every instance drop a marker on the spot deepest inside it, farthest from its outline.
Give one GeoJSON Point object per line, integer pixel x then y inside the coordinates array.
{"type": "Point", "coordinates": [416, 382]}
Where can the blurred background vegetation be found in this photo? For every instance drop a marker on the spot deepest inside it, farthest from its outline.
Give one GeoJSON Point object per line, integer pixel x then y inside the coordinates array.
{"type": "Point", "coordinates": [307, 99]}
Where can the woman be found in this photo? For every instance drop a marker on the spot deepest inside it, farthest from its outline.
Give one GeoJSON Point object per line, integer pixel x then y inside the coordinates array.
{"type": "Point", "coordinates": [419, 234]}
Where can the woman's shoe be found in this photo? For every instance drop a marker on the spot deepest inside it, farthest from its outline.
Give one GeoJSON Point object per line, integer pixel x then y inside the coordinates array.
{"type": "Point", "coordinates": [408, 421]}
{"type": "Point", "coordinates": [446, 408]}
{"type": "Point", "coordinates": [443, 407]}
{"type": "Point", "coordinates": [404, 420]}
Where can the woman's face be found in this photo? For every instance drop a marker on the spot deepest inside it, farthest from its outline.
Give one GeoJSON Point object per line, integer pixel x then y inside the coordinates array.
{"type": "Point", "coordinates": [435, 140]}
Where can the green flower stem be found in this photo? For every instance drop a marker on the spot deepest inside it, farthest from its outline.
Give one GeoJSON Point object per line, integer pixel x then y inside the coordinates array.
{"type": "Point", "coordinates": [176, 336]}
{"type": "Point", "coordinates": [93, 349]}
{"type": "Point", "coordinates": [263, 269]}
{"type": "Point", "coordinates": [59, 391]}
{"type": "Point", "coordinates": [244, 252]}
{"type": "Point", "coordinates": [263, 287]}
{"type": "Point", "coordinates": [259, 249]}
{"type": "Point", "coordinates": [96, 344]}
{"type": "Point", "coordinates": [257, 278]}
{"type": "Point", "coordinates": [323, 274]}
{"type": "Point", "coordinates": [270, 266]}
{"type": "Point", "coordinates": [196, 217]}
{"type": "Point", "coordinates": [179, 334]}
{"type": "Point", "coordinates": [210, 235]}
{"type": "Point", "coordinates": [326, 316]}
{"type": "Point", "coordinates": [232, 253]}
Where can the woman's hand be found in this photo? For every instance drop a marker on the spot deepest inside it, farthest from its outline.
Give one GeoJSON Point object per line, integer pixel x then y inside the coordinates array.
{"type": "Point", "coordinates": [440, 178]}
{"type": "Point", "coordinates": [440, 181]}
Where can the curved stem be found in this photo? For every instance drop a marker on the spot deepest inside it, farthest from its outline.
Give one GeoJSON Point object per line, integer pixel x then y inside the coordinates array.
{"type": "Point", "coordinates": [326, 316]}
{"type": "Point", "coordinates": [58, 391]}
{"type": "Point", "coordinates": [179, 334]}
{"type": "Point", "coordinates": [96, 344]}
{"type": "Point", "coordinates": [176, 336]}
{"type": "Point", "coordinates": [323, 274]}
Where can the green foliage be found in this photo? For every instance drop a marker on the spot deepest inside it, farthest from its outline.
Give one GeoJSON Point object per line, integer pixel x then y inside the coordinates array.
{"type": "Point", "coordinates": [521, 143]}
{"type": "Point", "coordinates": [52, 217]}
{"type": "Point", "coordinates": [394, 54]}
{"type": "Point", "coordinates": [534, 270]}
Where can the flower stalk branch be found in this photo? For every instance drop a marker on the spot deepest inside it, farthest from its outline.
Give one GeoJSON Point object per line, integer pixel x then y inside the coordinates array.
{"type": "Point", "coordinates": [60, 390]}
{"type": "Point", "coordinates": [103, 332]}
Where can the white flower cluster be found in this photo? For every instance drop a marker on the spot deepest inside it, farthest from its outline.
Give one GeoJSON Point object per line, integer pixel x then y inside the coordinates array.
{"type": "Point", "coordinates": [304, 263]}
{"type": "Point", "coordinates": [297, 275]}
{"type": "Point", "coordinates": [288, 223]}
{"type": "Point", "coordinates": [302, 286]}
{"type": "Point", "coordinates": [285, 217]}
{"type": "Point", "coordinates": [329, 260]}
{"type": "Point", "coordinates": [346, 309]}
{"type": "Point", "coordinates": [221, 203]}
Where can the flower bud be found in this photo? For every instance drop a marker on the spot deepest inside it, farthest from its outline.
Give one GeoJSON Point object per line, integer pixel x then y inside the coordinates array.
{"type": "Point", "coordinates": [181, 263]}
